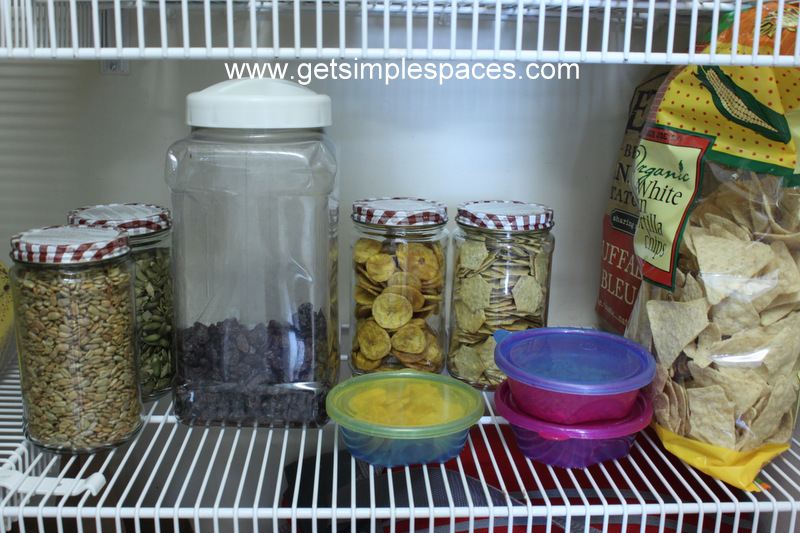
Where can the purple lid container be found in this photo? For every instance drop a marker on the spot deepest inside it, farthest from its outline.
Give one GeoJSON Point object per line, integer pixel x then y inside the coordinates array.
{"type": "Point", "coordinates": [574, 360]}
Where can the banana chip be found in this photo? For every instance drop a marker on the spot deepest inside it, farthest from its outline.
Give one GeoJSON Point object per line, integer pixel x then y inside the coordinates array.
{"type": "Point", "coordinates": [418, 259]}
{"type": "Point", "coordinates": [406, 279]}
{"type": "Point", "coordinates": [373, 340]}
{"type": "Point", "coordinates": [410, 338]}
{"type": "Point", "coordinates": [392, 310]}
{"type": "Point", "coordinates": [418, 301]}
{"type": "Point", "coordinates": [363, 296]}
{"type": "Point", "coordinates": [380, 267]}
{"type": "Point", "coordinates": [364, 363]}
{"type": "Point", "coordinates": [363, 249]}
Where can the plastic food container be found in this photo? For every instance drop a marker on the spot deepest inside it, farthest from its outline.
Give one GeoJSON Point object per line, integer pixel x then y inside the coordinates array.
{"type": "Point", "coordinates": [575, 446]}
{"type": "Point", "coordinates": [405, 417]}
{"type": "Point", "coordinates": [572, 375]}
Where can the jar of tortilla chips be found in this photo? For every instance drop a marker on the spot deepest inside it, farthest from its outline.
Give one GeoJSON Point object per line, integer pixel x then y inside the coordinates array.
{"type": "Point", "coordinates": [399, 264]}
{"type": "Point", "coordinates": [501, 280]}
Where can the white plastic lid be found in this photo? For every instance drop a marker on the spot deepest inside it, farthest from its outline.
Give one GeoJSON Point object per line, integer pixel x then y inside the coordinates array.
{"type": "Point", "coordinates": [258, 104]}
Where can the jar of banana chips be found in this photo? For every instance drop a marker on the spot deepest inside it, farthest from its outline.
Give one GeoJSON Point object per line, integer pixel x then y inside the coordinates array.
{"type": "Point", "coordinates": [501, 280]}
{"type": "Point", "coordinates": [399, 267]}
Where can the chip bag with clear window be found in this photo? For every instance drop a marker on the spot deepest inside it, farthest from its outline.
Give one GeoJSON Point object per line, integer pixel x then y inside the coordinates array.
{"type": "Point", "coordinates": [719, 242]}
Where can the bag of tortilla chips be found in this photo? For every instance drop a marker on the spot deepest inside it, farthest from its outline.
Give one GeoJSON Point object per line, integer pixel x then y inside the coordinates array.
{"type": "Point", "coordinates": [719, 240]}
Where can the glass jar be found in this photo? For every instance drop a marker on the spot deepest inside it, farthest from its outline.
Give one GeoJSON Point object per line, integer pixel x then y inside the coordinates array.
{"type": "Point", "coordinates": [255, 216]}
{"type": "Point", "coordinates": [501, 280]}
{"type": "Point", "coordinates": [399, 266]}
{"type": "Point", "coordinates": [149, 229]}
{"type": "Point", "coordinates": [73, 295]}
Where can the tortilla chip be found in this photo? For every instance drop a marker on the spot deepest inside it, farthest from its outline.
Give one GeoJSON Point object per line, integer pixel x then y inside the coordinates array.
{"type": "Point", "coordinates": [725, 265]}
{"type": "Point", "coordinates": [711, 416]}
{"type": "Point", "coordinates": [674, 325]}
{"type": "Point", "coordinates": [732, 315]}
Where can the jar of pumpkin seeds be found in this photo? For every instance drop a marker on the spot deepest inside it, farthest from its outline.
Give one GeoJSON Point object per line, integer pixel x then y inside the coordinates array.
{"type": "Point", "coordinates": [501, 280]}
{"type": "Point", "coordinates": [399, 267]}
{"type": "Point", "coordinates": [72, 289]}
{"type": "Point", "coordinates": [149, 228]}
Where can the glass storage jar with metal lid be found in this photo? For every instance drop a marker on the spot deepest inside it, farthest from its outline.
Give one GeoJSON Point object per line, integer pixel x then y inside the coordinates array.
{"type": "Point", "coordinates": [149, 228]}
{"type": "Point", "coordinates": [501, 280]}
{"type": "Point", "coordinates": [73, 300]}
{"type": "Point", "coordinates": [399, 266]}
{"type": "Point", "coordinates": [255, 217]}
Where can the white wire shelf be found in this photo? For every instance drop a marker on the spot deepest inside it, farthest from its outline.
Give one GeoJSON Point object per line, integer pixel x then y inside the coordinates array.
{"type": "Point", "coordinates": [589, 31]}
{"type": "Point", "coordinates": [176, 478]}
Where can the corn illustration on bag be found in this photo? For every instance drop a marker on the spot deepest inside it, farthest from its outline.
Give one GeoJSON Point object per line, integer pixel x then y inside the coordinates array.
{"type": "Point", "coordinates": [716, 178]}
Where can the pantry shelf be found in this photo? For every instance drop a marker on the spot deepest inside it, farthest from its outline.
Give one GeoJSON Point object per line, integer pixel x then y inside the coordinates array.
{"type": "Point", "coordinates": [587, 31]}
{"type": "Point", "coordinates": [173, 477]}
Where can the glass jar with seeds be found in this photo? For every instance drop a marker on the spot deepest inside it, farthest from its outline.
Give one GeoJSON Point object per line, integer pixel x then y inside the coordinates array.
{"type": "Point", "coordinates": [501, 280]}
{"type": "Point", "coordinates": [73, 298]}
{"type": "Point", "coordinates": [150, 230]}
{"type": "Point", "coordinates": [399, 267]}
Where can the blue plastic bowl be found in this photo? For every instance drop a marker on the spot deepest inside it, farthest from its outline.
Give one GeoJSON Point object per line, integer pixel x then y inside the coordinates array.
{"type": "Point", "coordinates": [405, 417]}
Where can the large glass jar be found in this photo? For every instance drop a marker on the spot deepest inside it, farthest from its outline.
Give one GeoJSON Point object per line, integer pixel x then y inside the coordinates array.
{"type": "Point", "coordinates": [501, 280]}
{"type": "Point", "coordinates": [149, 229]}
{"type": "Point", "coordinates": [399, 268]}
{"type": "Point", "coordinates": [255, 214]}
{"type": "Point", "coordinates": [73, 300]}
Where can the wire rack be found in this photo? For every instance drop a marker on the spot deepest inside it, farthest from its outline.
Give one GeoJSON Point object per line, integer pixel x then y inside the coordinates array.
{"type": "Point", "coordinates": [176, 478]}
{"type": "Point", "coordinates": [597, 31]}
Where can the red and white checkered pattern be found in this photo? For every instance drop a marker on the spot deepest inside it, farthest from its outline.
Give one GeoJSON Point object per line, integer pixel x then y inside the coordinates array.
{"type": "Point", "coordinates": [399, 211]}
{"type": "Point", "coordinates": [68, 244]}
{"type": "Point", "coordinates": [136, 219]}
{"type": "Point", "coordinates": [509, 215]}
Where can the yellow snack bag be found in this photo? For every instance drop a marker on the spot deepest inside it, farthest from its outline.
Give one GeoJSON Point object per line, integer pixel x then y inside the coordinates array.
{"type": "Point", "coordinates": [719, 242]}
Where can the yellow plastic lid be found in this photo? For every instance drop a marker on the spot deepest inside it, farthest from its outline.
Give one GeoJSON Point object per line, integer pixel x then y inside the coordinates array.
{"type": "Point", "coordinates": [404, 404]}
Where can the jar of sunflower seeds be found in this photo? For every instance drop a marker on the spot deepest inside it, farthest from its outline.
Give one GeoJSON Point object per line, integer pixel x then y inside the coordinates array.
{"type": "Point", "coordinates": [149, 228]}
{"type": "Point", "coordinates": [72, 288]}
{"type": "Point", "coordinates": [399, 268]}
{"type": "Point", "coordinates": [501, 280]}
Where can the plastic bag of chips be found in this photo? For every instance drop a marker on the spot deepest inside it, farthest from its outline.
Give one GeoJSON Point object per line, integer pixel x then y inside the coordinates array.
{"type": "Point", "coordinates": [719, 241]}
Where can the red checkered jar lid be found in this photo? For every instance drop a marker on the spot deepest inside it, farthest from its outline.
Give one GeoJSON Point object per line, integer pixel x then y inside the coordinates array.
{"type": "Point", "coordinates": [411, 212]}
{"type": "Point", "coordinates": [136, 219]}
{"type": "Point", "coordinates": [507, 215]}
{"type": "Point", "coordinates": [69, 244]}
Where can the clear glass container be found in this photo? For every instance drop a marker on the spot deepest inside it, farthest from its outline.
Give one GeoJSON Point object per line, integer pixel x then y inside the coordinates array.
{"type": "Point", "coordinates": [501, 280]}
{"type": "Point", "coordinates": [149, 228]}
{"type": "Point", "coordinates": [399, 263]}
{"type": "Point", "coordinates": [255, 217]}
{"type": "Point", "coordinates": [73, 295]}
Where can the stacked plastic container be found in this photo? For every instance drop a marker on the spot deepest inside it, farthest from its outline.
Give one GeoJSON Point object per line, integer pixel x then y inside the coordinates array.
{"type": "Point", "coordinates": [573, 395]}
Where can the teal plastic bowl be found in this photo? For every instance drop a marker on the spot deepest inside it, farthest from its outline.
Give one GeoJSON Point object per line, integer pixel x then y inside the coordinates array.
{"type": "Point", "coordinates": [405, 417]}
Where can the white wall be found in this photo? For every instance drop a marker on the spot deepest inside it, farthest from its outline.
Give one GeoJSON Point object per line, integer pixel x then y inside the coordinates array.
{"type": "Point", "coordinates": [71, 136]}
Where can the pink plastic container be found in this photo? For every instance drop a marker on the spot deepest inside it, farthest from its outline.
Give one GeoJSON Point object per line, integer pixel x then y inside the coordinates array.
{"type": "Point", "coordinates": [573, 375]}
{"type": "Point", "coordinates": [573, 446]}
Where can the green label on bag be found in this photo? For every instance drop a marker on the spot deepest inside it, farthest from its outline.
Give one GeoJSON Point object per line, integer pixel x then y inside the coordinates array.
{"type": "Point", "coordinates": [668, 176]}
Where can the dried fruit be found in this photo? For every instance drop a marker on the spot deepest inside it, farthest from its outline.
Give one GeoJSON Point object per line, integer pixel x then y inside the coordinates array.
{"type": "Point", "coordinates": [363, 249]}
{"type": "Point", "coordinates": [418, 259]}
{"type": "Point", "coordinates": [373, 340]}
{"type": "Point", "coordinates": [392, 310]}
{"type": "Point", "coordinates": [411, 294]}
{"type": "Point", "coordinates": [380, 267]}
{"type": "Point", "coordinates": [410, 338]}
